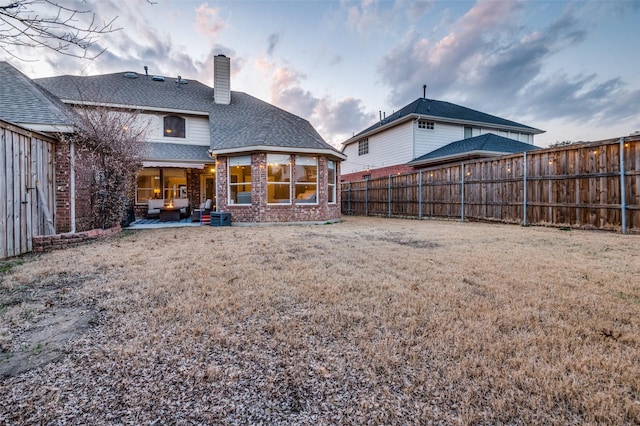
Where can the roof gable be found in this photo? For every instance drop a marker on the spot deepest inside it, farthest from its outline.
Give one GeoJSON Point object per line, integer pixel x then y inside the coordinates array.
{"type": "Point", "coordinates": [431, 108]}
{"type": "Point", "coordinates": [24, 102]}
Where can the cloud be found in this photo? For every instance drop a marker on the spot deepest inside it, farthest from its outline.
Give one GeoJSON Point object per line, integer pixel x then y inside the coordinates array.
{"type": "Point", "coordinates": [334, 119]}
{"type": "Point", "coordinates": [274, 39]}
{"type": "Point", "coordinates": [208, 22]}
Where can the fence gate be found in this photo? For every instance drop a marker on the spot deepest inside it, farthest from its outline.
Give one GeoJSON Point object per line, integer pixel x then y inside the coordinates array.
{"type": "Point", "coordinates": [27, 197]}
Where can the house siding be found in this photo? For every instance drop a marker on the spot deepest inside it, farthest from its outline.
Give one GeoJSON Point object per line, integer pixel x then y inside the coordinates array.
{"type": "Point", "coordinates": [197, 129]}
{"type": "Point", "coordinates": [427, 140]}
{"type": "Point", "coordinates": [388, 148]}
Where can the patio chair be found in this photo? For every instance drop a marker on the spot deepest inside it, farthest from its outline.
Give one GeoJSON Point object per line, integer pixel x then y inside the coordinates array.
{"type": "Point", "coordinates": [204, 208]}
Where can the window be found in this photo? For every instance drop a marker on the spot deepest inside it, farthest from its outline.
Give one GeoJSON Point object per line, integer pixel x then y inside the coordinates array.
{"type": "Point", "coordinates": [240, 180]}
{"type": "Point", "coordinates": [148, 185]}
{"type": "Point", "coordinates": [278, 179]}
{"type": "Point", "coordinates": [468, 131]}
{"type": "Point", "coordinates": [174, 126]}
{"type": "Point", "coordinates": [174, 183]}
{"type": "Point", "coordinates": [424, 124]}
{"type": "Point", "coordinates": [306, 173]}
{"type": "Point", "coordinates": [331, 180]}
{"type": "Point", "coordinates": [363, 147]}
{"type": "Point", "coordinates": [157, 184]}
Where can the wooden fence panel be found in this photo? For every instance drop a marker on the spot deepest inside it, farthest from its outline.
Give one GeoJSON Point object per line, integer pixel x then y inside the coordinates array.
{"type": "Point", "coordinates": [25, 158]}
{"type": "Point", "coordinates": [576, 185]}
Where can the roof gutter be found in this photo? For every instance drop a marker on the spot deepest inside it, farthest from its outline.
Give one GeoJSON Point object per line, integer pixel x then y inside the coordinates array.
{"type": "Point", "coordinates": [266, 148]}
{"type": "Point", "coordinates": [459, 156]}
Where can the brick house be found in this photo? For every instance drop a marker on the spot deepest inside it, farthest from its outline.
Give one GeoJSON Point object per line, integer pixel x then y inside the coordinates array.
{"type": "Point", "coordinates": [253, 160]}
{"type": "Point", "coordinates": [428, 132]}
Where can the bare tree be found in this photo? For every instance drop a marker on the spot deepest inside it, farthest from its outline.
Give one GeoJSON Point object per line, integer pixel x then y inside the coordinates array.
{"type": "Point", "coordinates": [50, 24]}
{"type": "Point", "coordinates": [110, 146]}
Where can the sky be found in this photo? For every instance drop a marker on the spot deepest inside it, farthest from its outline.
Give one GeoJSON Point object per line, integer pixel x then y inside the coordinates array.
{"type": "Point", "coordinates": [570, 68]}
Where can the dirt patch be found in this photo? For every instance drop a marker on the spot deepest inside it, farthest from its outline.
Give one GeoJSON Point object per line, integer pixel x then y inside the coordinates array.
{"type": "Point", "coordinates": [40, 314]}
{"type": "Point", "coordinates": [45, 340]}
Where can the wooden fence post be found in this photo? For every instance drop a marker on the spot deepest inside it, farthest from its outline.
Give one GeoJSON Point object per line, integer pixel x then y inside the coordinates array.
{"type": "Point", "coordinates": [524, 189]}
{"type": "Point", "coordinates": [389, 197]}
{"type": "Point", "coordinates": [623, 195]}
{"type": "Point", "coordinates": [349, 198]}
{"type": "Point", "coordinates": [366, 197]}
{"type": "Point", "coordinates": [462, 193]}
{"type": "Point", "coordinates": [420, 195]}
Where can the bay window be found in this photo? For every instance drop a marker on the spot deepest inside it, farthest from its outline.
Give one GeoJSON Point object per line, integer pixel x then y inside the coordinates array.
{"type": "Point", "coordinates": [278, 179]}
{"type": "Point", "coordinates": [240, 180]}
{"type": "Point", "coordinates": [306, 177]}
{"type": "Point", "coordinates": [331, 182]}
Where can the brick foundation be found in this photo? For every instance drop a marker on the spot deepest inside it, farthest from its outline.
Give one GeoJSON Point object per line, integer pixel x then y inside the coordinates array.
{"type": "Point", "coordinates": [61, 241]}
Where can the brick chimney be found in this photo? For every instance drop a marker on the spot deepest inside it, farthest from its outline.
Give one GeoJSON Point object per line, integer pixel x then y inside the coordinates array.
{"type": "Point", "coordinates": [221, 80]}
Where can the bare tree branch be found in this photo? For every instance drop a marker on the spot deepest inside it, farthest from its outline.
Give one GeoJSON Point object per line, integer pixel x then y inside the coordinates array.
{"type": "Point", "coordinates": [52, 25]}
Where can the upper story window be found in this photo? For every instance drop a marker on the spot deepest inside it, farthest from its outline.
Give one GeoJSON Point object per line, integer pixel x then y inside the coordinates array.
{"type": "Point", "coordinates": [174, 126]}
{"type": "Point", "coordinates": [363, 147]}
{"type": "Point", "coordinates": [424, 124]}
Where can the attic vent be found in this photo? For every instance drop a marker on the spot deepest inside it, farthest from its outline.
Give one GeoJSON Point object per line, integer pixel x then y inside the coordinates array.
{"type": "Point", "coordinates": [181, 81]}
{"type": "Point", "coordinates": [130, 75]}
{"type": "Point", "coordinates": [157, 78]}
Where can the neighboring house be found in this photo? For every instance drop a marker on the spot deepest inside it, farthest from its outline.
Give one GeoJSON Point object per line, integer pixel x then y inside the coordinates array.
{"type": "Point", "coordinates": [483, 146]}
{"type": "Point", "coordinates": [254, 160]}
{"type": "Point", "coordinates": [396, 143]}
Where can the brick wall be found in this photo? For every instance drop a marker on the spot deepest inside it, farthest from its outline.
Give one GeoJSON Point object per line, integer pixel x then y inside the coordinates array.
{"type": "Point", "coordinates": [63, 189]}
{"type": "Point", "coordinates": [377, 173]}
{"type": "Point", "coordinates": [62, 241]}
{"type": "Point", "coordinates": [261, 212]}
{"type": "Point", "coordinates": [63, 194]}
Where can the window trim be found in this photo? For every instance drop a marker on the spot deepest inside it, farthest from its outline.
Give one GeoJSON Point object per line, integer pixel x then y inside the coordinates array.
{"type": "Point", "coordinates": [363, 146]}
{"type": "Point", "coordinates": [289, 183]}
{"type": "Point", "coordinates": [164, 127]}
{"type": "Point", "coordinates": [231, 202]}
{"type": "Point", "coordinates": [331, 187]}
{"type": "Point", "coordinates": [426, 124]}
{"type": "Point", "coordinates": [296, 183]}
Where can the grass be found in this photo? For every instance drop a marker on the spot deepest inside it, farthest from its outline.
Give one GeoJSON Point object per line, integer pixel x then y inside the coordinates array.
{"type": "Point", "coordinates": [369, 320]}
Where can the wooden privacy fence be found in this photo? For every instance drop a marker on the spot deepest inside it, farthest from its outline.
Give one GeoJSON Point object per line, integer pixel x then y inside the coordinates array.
{"type": "Point", "coordinates": [593, 185]}
{"type": "Point", "coordinates": [26, 188]}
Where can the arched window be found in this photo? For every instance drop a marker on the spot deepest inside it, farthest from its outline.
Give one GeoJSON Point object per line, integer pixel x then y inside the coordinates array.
{"type": "Point", "coordinates": [174, 126]}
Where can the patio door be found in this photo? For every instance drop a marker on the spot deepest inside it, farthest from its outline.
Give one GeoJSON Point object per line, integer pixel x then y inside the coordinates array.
{"type": "Point", "coordinates": [208, 188]}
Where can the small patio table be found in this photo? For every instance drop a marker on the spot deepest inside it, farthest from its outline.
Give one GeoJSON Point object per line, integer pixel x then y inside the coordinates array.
{"type": "Point", "coordinates": [169, 214]}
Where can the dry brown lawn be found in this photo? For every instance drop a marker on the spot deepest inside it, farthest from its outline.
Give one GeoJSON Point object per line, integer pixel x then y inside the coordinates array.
{"type": "Point", "coordinates": [370, 321]}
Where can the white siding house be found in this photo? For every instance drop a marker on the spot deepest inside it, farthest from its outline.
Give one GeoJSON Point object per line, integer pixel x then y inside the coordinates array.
{"type": "Point", "coordinates": [422, 127]}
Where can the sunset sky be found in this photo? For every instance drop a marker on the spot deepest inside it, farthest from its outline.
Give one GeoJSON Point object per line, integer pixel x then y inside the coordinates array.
{"type": "Point", "coordinates": [571, 68]}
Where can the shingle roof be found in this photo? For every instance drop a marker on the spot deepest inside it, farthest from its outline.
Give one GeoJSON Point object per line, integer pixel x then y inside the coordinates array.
{"type": "Point", "coordinates": [431, 108]}
{"type": "Point", "coordinates": [177, 152]}
{"type": "Point", "coordinates": [483, 145]}
{"type": "Point", "coordinates": [247, 122]}
{"type": "Point", "coordinates": [141, 91]}
{"type": "Point", "coordinates": [23, 102]}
